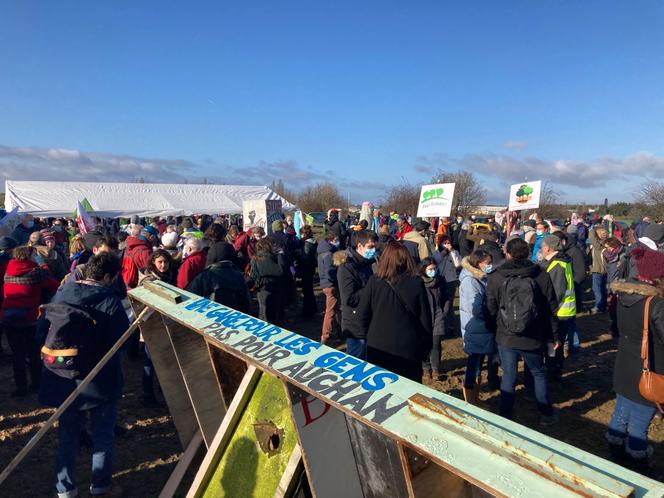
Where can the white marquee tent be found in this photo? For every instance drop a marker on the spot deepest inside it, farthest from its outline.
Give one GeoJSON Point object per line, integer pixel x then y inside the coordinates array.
{"type": "Point", "coordinates": [115, 200]}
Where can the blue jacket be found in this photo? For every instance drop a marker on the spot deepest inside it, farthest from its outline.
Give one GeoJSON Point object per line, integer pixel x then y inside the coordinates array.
{"type": "Point", "coordinates": [537, 247]}
{"type": "Point", "coordinates": [326, 270]}
{"type": "Point", "coordinates": [477, 338]}
{"type": "Point", "coordinates": [103, 304]}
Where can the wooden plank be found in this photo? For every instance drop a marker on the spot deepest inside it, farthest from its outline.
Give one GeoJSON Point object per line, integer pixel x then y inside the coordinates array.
{"type": "Point", "coordinates": [229, 369]}
{"type": "Point", "coordinates": [378, 461]}
{"type": "Point", "coordinates": [428, 479]}
{"type": "Point", "coordinates": [163, 292]}
{"type": "Point", "coordinates": [193, 360]}
{"type": "Point", "coordinates": [291, 474]}
{"type": "Point", "coordinates": [172, 384]}
{"type": "Point", "coordinates": [316, 421]}
{"type": "Point", "coordinates": [184, 462]}
{"type": "Point", "coordinates": [235, 410]}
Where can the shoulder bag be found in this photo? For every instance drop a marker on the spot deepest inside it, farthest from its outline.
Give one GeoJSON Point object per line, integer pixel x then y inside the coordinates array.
{"type": "Point", "coordinates": [651, 385]}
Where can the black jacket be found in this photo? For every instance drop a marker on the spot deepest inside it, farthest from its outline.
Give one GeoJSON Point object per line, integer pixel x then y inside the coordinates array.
{"type": "Point", "coordinates": [631, 305]}
{"type": "Point", "coordinates": [336, 227]}
{"type": "Point", "coordinates": [545, 326]}
{"type": "Point", "coordinates": [284, 247]}
{"type": "Point", "coordinates": [396, 339]}
{"type": "Point", "coordinates": [496, 252]}
{"type": "Point", "coordinates": [352, 277]}
{"type": "Point", "coordinates": [220, 251]}
{"type": "Point", "coordinates": [575, 253]}
{"type": "Point", "coordinates": [224, 284]}
{"type": "Point", "coordinates": [267, 273]}
{"type": "Point", "coordinates": [307, 258]}
{"type": "Point", "coordinates": [413, 250]}
{"type": "Point", "coordinates": [466, 245]}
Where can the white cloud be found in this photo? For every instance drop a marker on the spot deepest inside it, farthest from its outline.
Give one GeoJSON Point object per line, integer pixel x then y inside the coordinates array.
{"type": "Point", "coordinates": [515, 144]}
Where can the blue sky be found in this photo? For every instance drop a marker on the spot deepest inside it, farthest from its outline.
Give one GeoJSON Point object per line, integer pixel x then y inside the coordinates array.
{"type": "Point", "coordinates": [362, 93]}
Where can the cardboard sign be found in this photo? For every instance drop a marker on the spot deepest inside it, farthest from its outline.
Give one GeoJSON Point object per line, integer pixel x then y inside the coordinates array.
{"type": "Point", "coordinates": [525, 195]}
{"type": "Point", "coordinates": [261, 213]}
{"type": "Point", "coordinates": [436, 200]}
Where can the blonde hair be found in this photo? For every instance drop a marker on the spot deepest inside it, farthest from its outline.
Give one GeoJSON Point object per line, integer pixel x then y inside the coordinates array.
{"type": "Point", "coordinates": [77, 245]}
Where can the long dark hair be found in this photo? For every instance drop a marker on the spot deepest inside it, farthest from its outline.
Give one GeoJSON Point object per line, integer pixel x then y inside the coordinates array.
{"type": "Point", "coordinates": [169, 276]}
{"type": "Point", "coordinates": [394, 262]}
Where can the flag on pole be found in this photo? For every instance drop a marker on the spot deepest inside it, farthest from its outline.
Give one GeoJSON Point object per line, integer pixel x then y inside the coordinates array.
{"type": "Point", "coordinates": [83, 219]}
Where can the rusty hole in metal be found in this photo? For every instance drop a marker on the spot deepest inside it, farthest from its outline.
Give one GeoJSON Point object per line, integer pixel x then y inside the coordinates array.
{"type": "Point", "coordinates": [268, 436]}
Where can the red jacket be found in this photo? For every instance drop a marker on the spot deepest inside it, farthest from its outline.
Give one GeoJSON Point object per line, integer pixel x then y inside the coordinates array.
{"type": "Point", "coordinates": [136, 258]}
{"type": "Point", "coordinates": [24, 282]}
{"type": "Point", "coordinates": [241, 245]}
{"type": "Point", "coordinates": [191, 266]}
{"type": "Point", "coordinates": [405, 228]}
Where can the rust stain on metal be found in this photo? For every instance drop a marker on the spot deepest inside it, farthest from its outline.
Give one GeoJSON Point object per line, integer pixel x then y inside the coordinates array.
{"type": "Point", "coordinates": [437, 407]}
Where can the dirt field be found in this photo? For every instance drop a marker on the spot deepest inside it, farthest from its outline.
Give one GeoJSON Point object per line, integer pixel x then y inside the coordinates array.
{"type": "Point", "coordinates": [148, 452]}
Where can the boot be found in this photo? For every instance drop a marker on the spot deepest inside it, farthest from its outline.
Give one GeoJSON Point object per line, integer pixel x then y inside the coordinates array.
{"type": "Point", "coordinates": [468, 395]}
{"type": "Point", "coordinates": [618, 454]}
{"type": "Point", "coordinates": [639, 465]}
{"type": "Point", "coordinates": [476, 394]}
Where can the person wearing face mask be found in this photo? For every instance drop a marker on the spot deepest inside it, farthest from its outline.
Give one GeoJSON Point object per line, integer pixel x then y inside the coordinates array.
{"type": "Point", "coordinates": [449, 261]}
{"type": "Point", "coordinates": [327, 274]}
{"type": "Point", "coordinates": [541, 231]}
{"type": "Point", "coordinates": [98, 401]}
{"type": "Point", "coordinates": [21, 233]}
{"type": "Point", "coordinates": [455, 231]}
{"type": "Point", "coordinates": [352, 277]}
{"type": "Point", "coordinates": [478, 341]}
{"type": "Point", "coordinates": [438, 304]}
{"type": "Point", "coordinates": [614, 259]}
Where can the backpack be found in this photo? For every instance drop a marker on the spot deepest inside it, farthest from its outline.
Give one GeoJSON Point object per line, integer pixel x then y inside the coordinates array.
{"type": "Point", "coordinates": [70, 350]}
{"type": "Point", "coordinates": [518, 308]}
{"type": "Point", "coordinates": [130, 270]}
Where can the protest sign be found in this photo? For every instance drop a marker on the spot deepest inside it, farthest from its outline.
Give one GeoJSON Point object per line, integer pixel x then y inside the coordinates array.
{"type": "Point", "coordinates": [525, 195]}
{"type": "Point", "coordinates": [261, 213]}
{"type": "Point", "coordinates": [436, 200]}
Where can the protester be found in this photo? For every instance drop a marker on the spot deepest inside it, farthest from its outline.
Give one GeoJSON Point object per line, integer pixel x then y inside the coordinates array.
{"type": "Point", "coordinates": [54, 259]}
{"type": "Point", "coordinates": [384, 238]}
{"type": "Point", "coordinates": [215, 236]}
{"type": "Point", "coordinates": [136, 256]}
{"type": "Point", "coordinates": [327, 272]}
{"type": "Point", "coordinates": [353, 277]}
{"type": "Point", "coordinates": [403, 227]}
{"type": "Point", "coordinates": [596, 238]}
{"type": "Point", "coordinates": [541, 231]}
{"type": "Point", "coordinates": [478, 341]}
{"type": "Point", "coordinates": [521, 309]}
{"type": "Point", "coordinates": [169, 241]}
{"type": "Point", "coordinates": [435, 286]}
{"type": "Point", "coordinates": [628, 429]}
{"type": "Point", "coordinates": [240, 241]}
{"type": "Point", "coordinates": [613, 255]}
{"type": "Point", "coordinates": [7, 244]}
{"type": "Point", "coordinates": [306, 268]}
{"type": "Point", "coordinates": [332, 224]}
{"type": "Point", "coordinates": [490, 245]}
{"type": "Point", "coordinates": [21, 233]}
{"type": "Point", "coordinates": [394, 315]}
{"type": "Point", "coordinates": [267, 274]}
{"type": "Point", "coordinates": [419, 237]}
{"type": "Point", "coordinates": [466, 245]}
{"type": "Point", "coordinates": [449, 261]}
{"type": "Point", "coordinates": [78, 253]}
{"type": "Point", "coordinates": [194, 257]}
{"type": "Point", "coordinates": [98, 401]}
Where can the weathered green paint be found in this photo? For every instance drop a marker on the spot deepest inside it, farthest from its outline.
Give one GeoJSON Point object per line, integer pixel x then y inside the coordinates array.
{"type": "Point", "coordinates": [498, 455]}
{"type": "Point", "coordinates": [245, 469]}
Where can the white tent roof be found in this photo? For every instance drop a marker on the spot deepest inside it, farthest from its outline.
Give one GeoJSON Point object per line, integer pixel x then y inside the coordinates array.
{"type": "Point", "coordinates": [115, 200]}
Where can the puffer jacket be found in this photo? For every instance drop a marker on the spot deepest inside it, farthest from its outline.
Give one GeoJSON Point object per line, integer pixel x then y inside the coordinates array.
{"type": "Point", "coordinates": [24, 283]}
{"type": "Point", "coordinates": [477, 338]}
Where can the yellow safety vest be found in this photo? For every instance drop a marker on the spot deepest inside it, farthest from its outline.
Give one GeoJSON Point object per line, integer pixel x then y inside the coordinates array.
{"type": "Point", "coordinates": [567, 308]}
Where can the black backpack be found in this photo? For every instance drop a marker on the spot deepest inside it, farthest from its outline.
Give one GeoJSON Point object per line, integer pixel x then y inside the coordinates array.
{"type": "Point", "coordinates": [70, 350]}
{"type": "Point", "coordinates": [518, 306]}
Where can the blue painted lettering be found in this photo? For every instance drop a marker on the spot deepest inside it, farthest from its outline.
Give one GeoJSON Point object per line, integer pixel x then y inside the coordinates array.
{"type": "Point", "coordinates": [379, 381]}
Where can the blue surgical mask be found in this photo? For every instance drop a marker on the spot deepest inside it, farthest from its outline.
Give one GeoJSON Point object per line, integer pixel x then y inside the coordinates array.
{"type": "Point", "coordinates": [540, 232]}
{"type": "Point", "coordinates": [431, 273]}
{"type": "Point", "coordinates": [38, 259]}
{"type": "Point", "coordinates": [370, 253]}
{"type": "Point", "coordinates": [335, 243]}
{"type": "Point", "coordinates": [31, 224]}
{"type": "Point", "coordinates": [57, 228]}
{"type": "Point", "coordinates": [488, 268]}
{"type": "Point", "coordinates": [459, 220]}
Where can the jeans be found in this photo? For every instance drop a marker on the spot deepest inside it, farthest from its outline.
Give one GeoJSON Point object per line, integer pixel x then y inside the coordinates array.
{"type": "Point", "coordinates": [474, 369]}
{"type": "Point", "coordinates": [534, 360]}
{"type": "Point", "coordinates": [332, 318]}
{"type": "Point", "coordinates": [308, 298]}
{"type": "Point", "coordinates": [72, 422]}
{"type": "Point", "coordinates": [600, 291]}
{"type": "Point", "coordinates": [356, 348]}
{"type": "Point", "coordinates": [24, 346]}
{"type": "Point", "coordinates": [630, 422]}
{"type": "Point", "coordinates": [434, 357]}
{"type": "Point", "coordinates": [573, 340]}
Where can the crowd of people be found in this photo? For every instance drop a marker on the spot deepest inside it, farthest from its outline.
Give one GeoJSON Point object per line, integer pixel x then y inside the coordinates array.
{"type": "Point", "coordinates": [389, 284]}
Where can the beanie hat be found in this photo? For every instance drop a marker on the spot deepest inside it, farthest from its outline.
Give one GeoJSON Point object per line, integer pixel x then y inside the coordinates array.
{"type": "Point", "coordinates": [48, 236]}
{"type": "Point", "coordinates": [572, 229]}
{"type": "Point", "coordinates": [152, 231]}
{"type": "Point", "coordinates": [553, 242]}
{"type": "Point", "coordinates": [655, 233]}
{"type": "Point", "coordinates": [649, 264]}
{"type": "Point", "coordinates": [169, 240]}
{"type": "Point", "coordinates": [277, 226]}
{"type": "Point", "coordinates": [7, 243]}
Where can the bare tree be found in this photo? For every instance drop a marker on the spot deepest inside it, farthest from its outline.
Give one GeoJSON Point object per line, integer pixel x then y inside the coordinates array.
{"type": "Point", "coordinates": [650, 199]}
{"type": "Point", "coordinates": [550, 206]}
{"type": "Point", "coordinates": [468, 192]}
{"type": "Point", "coordinates": [318, 198]}
{"type": "Point", "coordinates": [403, 198]}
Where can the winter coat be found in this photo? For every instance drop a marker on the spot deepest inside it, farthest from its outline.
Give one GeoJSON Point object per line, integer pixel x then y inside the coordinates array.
{"type": "Point", "coordinates": [241, 246]}
{"type": "Point", "coordinates": [5, 257]}
{"type": "Point", "coordinates": [21, 234]}
{"type": "Point", "coordinates": [631, 305]}
{"type": "Point", "coordinates": [413, 249]}
{"type": "Point", "coordinates": [220, 250]}
{"type": "Point", "coordinates": [596, 249]}
{"type": "Point", "coordinates": [139, 250]}
{"type": "Point", "coordinates": [395, 340]}
{"type": "Point", "coordinates": [383, 240]}
{"type": "Point", "coordinates": [537, 246]}
{"type": "Point", "coordinates": [24, 283]}
{"type": "Point", "coordinates": [466, 246]}
{"type": "Point", "coordinates": [576, 255]}
{"type": "Point", "coordinates": [337, 228]}
{"type": "Point", "coordinates": [438, 302]}
{"type": "Point", "coordinates": [111, 322]}
{"type": "Point", "coordinates": [545, 325]}
{"type": "Point", "coordinates": [191, 266]}
{"type": "Point", "coordinates": [267, 273]}
{"type": "Point", "coordinates": [446, 267]}
{"type": "Point", "coordinates": [326, 271]}
{"type": "Point", "coordinates": [613, 262]}
{"type": "Point", "coordinates": [352, 277]}
{"type": "Point", "coordinates": [283, 246]}
{"type": "Point", "coordinates": [423, 248]}
{"type": "Point", "coordinates": [496, 252]}
{"type": "Point", "coordinates": [401, 232]}
{"type": "Point", "coordinates": [477, 338]}
{"type": "Point", "coordinates": [224, 284]}
{"type": "Point", "coordinates": [557, 275]}
{"type": "Point", "coordinates": [306, 256]}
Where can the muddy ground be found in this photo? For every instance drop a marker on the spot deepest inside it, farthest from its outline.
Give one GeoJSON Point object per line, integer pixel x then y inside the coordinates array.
{"type": "Point", "coordinates": [148, 452]}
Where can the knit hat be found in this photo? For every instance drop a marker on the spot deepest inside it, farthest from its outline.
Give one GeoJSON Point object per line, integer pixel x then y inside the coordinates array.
{"type": "Point", "coordinates": [152, 231]}
{"type": "Point", "coordinates": [7, 243]}
{"type": "Point", "coordinates": [553, 242]}
{"type": "Point", "coordinates": [655, 233]}
{"type": "Point", "coordinates": [572, 229]}
{"type": "Point", "coordinates": [649, 264]}
{"type": "Point", "coordinates": [277, 226]}
{"type": "Point", "coordinates": [47, 236]}
{"type": "Point", "coordinates": [169, 240]}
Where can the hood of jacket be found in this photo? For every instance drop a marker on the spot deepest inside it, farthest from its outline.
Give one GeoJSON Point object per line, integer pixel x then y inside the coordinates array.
{"type": "Point", "coordinates": [523, 268]}
{"type": "Point", "coordinates": [632, 292]}
{"type": "Point", "coordinates": [325, 246]}
{"type": "Point", "coordinates": [560, 256]}
{"type": "Point", "coordinates": [339, 258]}
{"type": "Point", "coordinates": [134, 243]}
{"type": "Point", "coordinates": [474, 272]}
{"type": "Point", "coordinates": [80, 294]}
{"type": "Point", "coordinates": [413, 236]}
{"type": "Point", "coordinates": [19, 267]}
